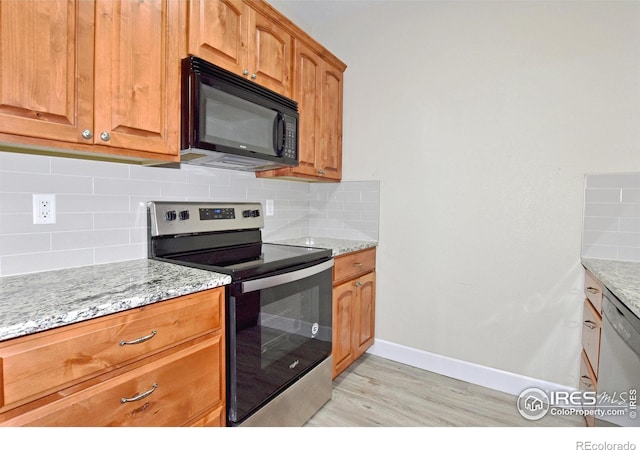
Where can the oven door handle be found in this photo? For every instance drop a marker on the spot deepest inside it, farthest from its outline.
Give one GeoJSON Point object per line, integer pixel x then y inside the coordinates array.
{"type": "Point", "coordinates": [284, 278]}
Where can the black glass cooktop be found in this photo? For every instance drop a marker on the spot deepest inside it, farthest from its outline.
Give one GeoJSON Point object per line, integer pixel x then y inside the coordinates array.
{"type": "Point", "coordinates": [250, 260]}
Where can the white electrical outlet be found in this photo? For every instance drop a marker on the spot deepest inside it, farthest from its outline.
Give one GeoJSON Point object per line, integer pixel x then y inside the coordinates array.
{"type": "Point", "coordinates": [44, 208]}
{"type": "Point", "coordinates": [269, 207]}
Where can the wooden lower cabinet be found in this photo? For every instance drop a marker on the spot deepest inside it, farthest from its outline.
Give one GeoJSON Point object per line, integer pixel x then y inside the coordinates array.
{"type": "Point", "coordinates": [100, 376]}
{"type": "Point", "coordinates": [591, 331]}
{"type": "Point", "coordinates": [587, 383]}
{"type": "Point", "coordinates": [353, 307]}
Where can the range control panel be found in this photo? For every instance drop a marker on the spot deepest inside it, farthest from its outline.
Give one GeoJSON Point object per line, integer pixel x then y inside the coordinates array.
{"type": "Point", "coordinates": [170, 218]}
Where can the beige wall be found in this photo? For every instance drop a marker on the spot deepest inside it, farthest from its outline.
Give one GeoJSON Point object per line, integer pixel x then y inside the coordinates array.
{"type": "Point", "coordinates": [480, 119]}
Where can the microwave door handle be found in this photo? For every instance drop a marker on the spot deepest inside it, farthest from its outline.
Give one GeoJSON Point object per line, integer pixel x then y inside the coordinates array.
{"type": "Point", "coordinates": [284, 278]}
{"type": "Point", "coordinates": [279, 136]}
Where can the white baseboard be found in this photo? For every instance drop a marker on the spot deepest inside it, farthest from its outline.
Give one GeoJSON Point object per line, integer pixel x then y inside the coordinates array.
{"type": "Point", "coordinates": [497, 379]}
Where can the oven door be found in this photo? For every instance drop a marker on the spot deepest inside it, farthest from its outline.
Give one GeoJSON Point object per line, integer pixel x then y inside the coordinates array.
{"type": "Point", "coordinates": [278, 329]}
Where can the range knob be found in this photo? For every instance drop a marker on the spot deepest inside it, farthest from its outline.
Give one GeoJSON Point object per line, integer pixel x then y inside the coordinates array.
{"type": "Point", "coordinates": [170, 215]}
{"type": "Point", "coordinates": [184, 215]}
{"type": "Point", "coordinates": [251, 213]}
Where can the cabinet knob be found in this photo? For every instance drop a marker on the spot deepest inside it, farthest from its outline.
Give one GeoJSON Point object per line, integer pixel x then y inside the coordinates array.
{"type": "Point", "coordinates": [320, 172]}
{"type": "Point", "coordinates": [245, 72]}
{"type": "Point", "coordinates": [590, 324]}
{"type": "Point", "coordinates": [87, 134]}
{"type": "Point", "coordinates": [253, 76]}
{"type": "Point", "coordinates": [358, 283]}
{"type": "Point", "coordinates": [105, 136]}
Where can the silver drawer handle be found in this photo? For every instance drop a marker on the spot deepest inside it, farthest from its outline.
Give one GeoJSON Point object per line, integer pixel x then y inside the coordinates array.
{"type": "Point", "coordinates": [592, 290]}
{"type": "Point", "coordinates": [586, 380]}
{"type": "Point", "coordinates": [321, 172]}
{"type": "Point", "coordinates": [590, 324]}
{"type": "Point", "coordinates": [140, 339]}
{"type": "Point", "coordinates": [135, 398]}
{"type": "Point", "coordinates": [358, 283]}
{"type": "Point", "coordinates": [358, 264]}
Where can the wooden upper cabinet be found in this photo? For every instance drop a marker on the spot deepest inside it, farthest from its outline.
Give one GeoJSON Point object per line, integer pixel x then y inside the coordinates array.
{"type": "Point", "coordinates": [269, 54]}
{"type": "Point", "coordinates": [46, 68]}
{"type": "Point", "coordinates": [329, 160]}
{"type": "Point", "coordinates": [137, 75]}
{"type": "Point", "coordinates": [317, 87]}
{"type": "Point", "coordinates": [236, 37]}
{"type": "Point", "coordinates": [97, 76]}
{"type": "Point", "coordinates": [307, 86]}
{"type": "Point", "coordinates": [218, 32]}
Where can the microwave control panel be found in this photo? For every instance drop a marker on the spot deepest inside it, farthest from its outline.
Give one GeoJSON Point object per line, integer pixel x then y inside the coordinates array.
{"type": "Point", "coordinates": [291, 140]}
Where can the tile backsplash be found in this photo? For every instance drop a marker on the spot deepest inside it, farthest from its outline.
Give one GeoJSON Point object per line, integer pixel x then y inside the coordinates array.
{"type": "Point", "coordinates": [101, 208]}
{"type": "Point", "coordinates": [611, 228]}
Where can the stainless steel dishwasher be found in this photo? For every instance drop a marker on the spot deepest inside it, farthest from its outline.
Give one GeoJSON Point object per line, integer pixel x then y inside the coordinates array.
{"type": "Point", "coordinates": [619, 372]}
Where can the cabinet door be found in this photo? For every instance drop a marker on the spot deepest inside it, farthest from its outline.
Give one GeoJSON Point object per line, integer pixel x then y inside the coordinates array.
{"type": "Point", "coordinates": [306, 91]}
{"type": "Point", "coordinates": [364, 314]}
{"type": "Point", "coordinates": [137, 81]}
{"type": "Point", "coordinates": [329, 158]}
{"type": "Point", "coordinates": [269, 54]}
{"type": "Point", "coordinates": [343, 307]}
{"type": "Point", "coordinates": [46, 68]}
{"type": "Point", "coordinates": [218, 32]}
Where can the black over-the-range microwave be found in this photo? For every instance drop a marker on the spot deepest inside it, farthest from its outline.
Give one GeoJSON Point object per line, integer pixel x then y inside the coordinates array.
{"type": "Point", "coordinates": [233, 123]}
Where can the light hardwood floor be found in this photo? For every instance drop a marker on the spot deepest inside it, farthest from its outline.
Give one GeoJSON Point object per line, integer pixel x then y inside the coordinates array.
{"type": "Point", "coordinates": [376, 392]}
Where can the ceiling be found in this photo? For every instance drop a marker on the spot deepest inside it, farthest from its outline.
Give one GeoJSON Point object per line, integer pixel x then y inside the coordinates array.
{"type": "Point", "coordinates": [310, 14]}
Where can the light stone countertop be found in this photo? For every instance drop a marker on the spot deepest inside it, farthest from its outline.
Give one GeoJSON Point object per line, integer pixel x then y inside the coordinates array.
{"type": "Point", "coordinates": [40, 301]}
{"type": "Point", "coordinates": [338, 246]}
{"type": "Point", "coordinates": [622, 278]}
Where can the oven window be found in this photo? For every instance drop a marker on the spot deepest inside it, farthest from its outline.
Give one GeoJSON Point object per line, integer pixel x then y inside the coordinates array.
{"type": "Point", "coordinates": [275, 336]}
{"type": "Point", "coordinates": [287, 324]}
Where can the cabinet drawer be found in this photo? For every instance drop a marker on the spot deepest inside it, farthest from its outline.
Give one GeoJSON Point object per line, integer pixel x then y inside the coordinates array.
{"type": "Point", "coordinates": [586, 383]}
{"type": "Point", "coordinates": [591, 327]}
{"type": "Point", "coordinates": [354, 264]}
{"type": "Point", "coordinates": [175, 393]}
{"type": "Point", "coordinates": [593, 290]}
{"type": "Point", "coordinates": [46, 362]}
{"type": "Point", "coordinates": [214, 418]}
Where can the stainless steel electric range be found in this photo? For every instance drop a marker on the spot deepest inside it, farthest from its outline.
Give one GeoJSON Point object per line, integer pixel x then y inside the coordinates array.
{"type": "Point", "coordinates": [278, 307]}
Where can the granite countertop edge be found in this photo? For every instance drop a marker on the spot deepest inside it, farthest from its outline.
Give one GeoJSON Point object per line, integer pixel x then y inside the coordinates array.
{"type": "Point", "coordinates": [42, 301]}
{"type": "Point", "coordinates": [622, 278]}
{"type": "Point", "coordinates": [337, 246]}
